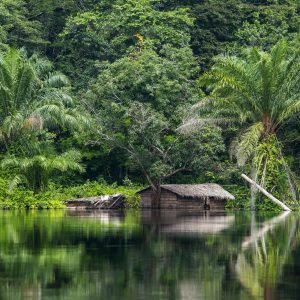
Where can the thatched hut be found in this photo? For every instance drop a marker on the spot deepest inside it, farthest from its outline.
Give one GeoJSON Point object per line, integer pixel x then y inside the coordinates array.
{"type": "Point", "coordinates": [188, 196]}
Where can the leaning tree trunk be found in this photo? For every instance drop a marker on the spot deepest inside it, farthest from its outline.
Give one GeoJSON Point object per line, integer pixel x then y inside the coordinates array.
{"type": "Point", "coordinates": [270, 196]}
{"type": "Point", "coordinates": [156, 193]}
{"type": "Point", "coordinates": [253, 189]}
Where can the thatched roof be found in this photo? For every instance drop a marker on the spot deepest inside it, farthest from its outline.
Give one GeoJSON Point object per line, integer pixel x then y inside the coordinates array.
{"type": "Point", "coordinates": [197, 190]}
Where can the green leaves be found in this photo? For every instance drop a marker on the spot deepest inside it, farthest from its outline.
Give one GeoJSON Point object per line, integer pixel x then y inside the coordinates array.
{"type": "Point", "coordinates": [254, 86]}
{"type": "Point", "coordinates": [32, 92]}
{"type": "Point", "coordinates": [36, 170]}
{"type": "Point", "coordinates": [261, 92]}
{"type": "Point", "coordinates": [138, 60]}
{"type": "Point", "coordinates": [15, 27]}
{"type": "Point", "coordinates": [269, 25]}
{"type": "Point", "coordinates": [130, 26]}
{"type": "Point", "coordinates": [162, 80]}
{"type": "Point", "coordinates": [35, 99]}
{"type": "Point", "coordinates": [248, 143]}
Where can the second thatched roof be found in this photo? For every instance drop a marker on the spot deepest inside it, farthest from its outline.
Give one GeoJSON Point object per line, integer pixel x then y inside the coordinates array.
{"type": "Point", "coordinates": [207, 190]}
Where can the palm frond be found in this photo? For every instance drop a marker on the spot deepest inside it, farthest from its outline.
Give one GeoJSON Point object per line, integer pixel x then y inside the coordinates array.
{"type": "Point", "coordinates": [22, 88]}
{"type": "Point", "coordinates": [12, 124]}
{"type": "Point", "coordinates": [290, 111]}
{"type": "Point", "coordinates": [30, 91]}
{"type": "Point", "coordinates": [56, 80]}
{"type": "Point", "coordinates": [9, 162]}
{"type": "Point", "coordinates": [35, 171]}
{"type": "Point", "coordinates": [16, 181]}
{"type": "Point", "coordinates": [248, 143]}
{"type": "Point", "coordinates": [193, 125]}
{"type": "Point", "coordinates": [68, 161]}
{"type": "Point", "coordinates": [40, 65]}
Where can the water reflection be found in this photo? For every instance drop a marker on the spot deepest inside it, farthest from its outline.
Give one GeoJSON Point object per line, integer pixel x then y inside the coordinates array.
{"type": "Point", "coordinates": [148, 255]}
{"type": "Point", "coordinates": [187, 224]}
{"type": "Point", "coordinates": [260, 268]}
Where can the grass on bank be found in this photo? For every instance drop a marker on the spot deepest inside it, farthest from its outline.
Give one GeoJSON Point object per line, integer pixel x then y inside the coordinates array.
{"type": "Point", "coordinates": [54, 197]}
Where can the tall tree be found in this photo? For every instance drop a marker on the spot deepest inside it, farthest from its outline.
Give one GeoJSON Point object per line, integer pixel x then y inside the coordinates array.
{"type": "Point", "coordinates": [33, 97]}
{"type": "Point", "coordinates": [163, 80]}
{"type": "Point", "coordinates": [261, 92]}
{"type": "Point", "coordinates": [16, 28]}
{"type": "Point", "coordinates": [154, 149]}
{"type": "Point", "coordinates": [138, 101]}
{"type": "Point", "coordinates": [215, 25]}
{"type": "Point", "coordinates": [266, 25]}
{"type": "Point", "coordinates": [108, 34]}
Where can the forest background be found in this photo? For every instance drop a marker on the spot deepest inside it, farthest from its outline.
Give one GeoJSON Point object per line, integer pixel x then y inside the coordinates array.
{"type": "Point", "coordinates": [94, 94]}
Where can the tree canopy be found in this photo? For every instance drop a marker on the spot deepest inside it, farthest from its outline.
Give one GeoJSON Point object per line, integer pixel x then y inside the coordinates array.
{"type": "Point", "coordinates": [113, 81]}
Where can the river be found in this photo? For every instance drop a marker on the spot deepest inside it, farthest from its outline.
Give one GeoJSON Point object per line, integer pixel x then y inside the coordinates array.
{"type": "Point", "coordinates": [147, 255]}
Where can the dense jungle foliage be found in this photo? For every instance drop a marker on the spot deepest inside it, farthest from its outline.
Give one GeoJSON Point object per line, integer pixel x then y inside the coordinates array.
{"type": "Point", "coordinates": [145, 92]}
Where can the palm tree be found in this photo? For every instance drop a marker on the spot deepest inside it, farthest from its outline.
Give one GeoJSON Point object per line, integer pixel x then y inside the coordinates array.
{"type": "Point", "coordinates": [261, 92]}
{"type": "Point", "coordinates": [33, 96]}
{"type": "Point", "coordinates": [34, 100]}
{"type": "Point", "coordinates": [36, 171]}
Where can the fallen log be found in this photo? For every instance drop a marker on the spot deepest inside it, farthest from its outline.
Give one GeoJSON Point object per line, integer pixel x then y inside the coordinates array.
{"type": "Point", "coordinates": [267, 194]}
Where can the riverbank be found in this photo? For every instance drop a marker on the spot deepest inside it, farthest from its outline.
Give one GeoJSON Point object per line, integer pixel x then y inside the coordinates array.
{"type": "Point", "coordinates": [55, 196]}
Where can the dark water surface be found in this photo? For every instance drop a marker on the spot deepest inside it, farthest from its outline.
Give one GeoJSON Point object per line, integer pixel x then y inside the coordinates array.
{"type": "Point", "coordinates": [149, 255]}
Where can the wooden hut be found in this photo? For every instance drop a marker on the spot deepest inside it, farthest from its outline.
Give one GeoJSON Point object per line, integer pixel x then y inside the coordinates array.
{"type": "Point", "coordinates": [188, 196]}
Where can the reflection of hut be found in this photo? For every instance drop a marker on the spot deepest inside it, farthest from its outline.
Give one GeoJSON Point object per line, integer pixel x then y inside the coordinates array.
{"type": "Point", "coordinates": [204, 225]}
{"type": "Point", "coordinates": [191, 196]}
{"type": "Point", "coordinates": [182, 223]}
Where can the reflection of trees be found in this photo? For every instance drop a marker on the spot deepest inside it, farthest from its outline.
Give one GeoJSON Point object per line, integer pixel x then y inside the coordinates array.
{"type": "Point", "coordinates": [49, 251]}
{"type": "Point", "coordinates": [107, 257]}
{"type": "Point", "coordinates": [196, 255]}
{"type": "Point", "coordinates": [53, 256]}
{"type": "Point", "coordinates": [264, 254]}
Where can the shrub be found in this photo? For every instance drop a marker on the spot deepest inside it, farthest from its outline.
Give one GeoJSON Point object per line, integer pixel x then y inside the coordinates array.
{"type": "Point", "coordinates": [55, 197]}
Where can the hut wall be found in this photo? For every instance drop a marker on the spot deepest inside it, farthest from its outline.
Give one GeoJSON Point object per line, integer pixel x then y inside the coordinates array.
{"type": "Point", "coordinates": [168, 200]}
{"type": "Point", "coordinates": [217, 204]}
{"type": "Point", "coordinates": [171, 200]}
{"type": "Point", "coordinates": [190, 203]}
{"type": "Point", "coordinates": [146, 199]}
